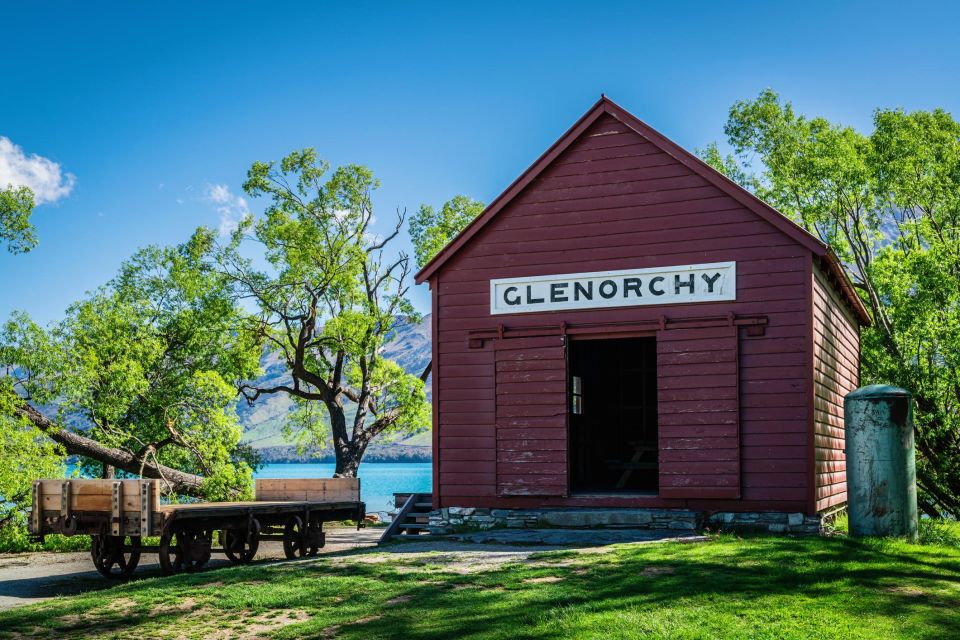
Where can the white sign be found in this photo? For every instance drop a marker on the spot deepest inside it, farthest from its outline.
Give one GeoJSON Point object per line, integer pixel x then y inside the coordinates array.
{"type": "Point", "coordinates": [628, 288]}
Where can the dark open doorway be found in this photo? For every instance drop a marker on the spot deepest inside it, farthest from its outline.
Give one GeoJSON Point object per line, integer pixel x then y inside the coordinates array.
{"type": "Point", "coordinates": [613, 421]}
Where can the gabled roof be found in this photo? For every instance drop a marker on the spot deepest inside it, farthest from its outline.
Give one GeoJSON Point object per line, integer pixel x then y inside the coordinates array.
{"type": "Point", "coordinates": [607, 106]}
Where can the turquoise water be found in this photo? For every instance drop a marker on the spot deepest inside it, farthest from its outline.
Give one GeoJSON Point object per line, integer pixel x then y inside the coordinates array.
{"type": "Point", "coordinates": [378, 480]}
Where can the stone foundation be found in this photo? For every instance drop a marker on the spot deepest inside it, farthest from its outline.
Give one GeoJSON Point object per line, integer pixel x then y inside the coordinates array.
{"type": "Point", "coordinates": [765, 522]}
{"type": "Point", "coordinates": [458, 519]}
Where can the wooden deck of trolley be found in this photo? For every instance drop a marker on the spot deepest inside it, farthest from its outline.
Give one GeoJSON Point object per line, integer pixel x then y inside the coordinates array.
{"type": "Point", "coordinates": [132, 507]}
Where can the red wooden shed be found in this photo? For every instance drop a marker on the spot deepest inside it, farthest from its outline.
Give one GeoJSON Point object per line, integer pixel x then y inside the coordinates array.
{"type": "Point", "coordinates": [626, 327]}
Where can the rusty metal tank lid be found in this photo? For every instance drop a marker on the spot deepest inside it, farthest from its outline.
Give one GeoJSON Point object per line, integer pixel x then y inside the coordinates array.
{"type": "Point", "coordinates": [879, 391]}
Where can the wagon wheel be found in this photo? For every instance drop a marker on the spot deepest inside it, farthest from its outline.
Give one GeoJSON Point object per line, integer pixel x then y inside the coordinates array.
{"type": "Point", "coordinates": [111, 559]}
{"type": "Point", "coordinates": [169, 553]}
{"type": "Point", "coordinates": [176, 554]}
{"type": "Point", "coordinates": [293, 538]}
{"type": "Point", "coordinates": [238, 546]}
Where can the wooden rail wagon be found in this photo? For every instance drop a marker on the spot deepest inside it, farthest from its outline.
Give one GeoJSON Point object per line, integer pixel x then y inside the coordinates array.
{"type": "Point", "coordinates": [118, 514]}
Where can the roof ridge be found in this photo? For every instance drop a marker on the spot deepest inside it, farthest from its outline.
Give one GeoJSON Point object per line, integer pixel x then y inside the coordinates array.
{"type": "Point", "coordinates": [607, 106]}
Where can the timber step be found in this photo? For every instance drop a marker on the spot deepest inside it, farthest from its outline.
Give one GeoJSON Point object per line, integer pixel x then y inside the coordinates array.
{"type": "Point", "coordinates": [412, 517]}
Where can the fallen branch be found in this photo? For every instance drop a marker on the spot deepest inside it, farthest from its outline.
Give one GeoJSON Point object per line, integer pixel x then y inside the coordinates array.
{"type": "Point", "coordinates": [177, 481]}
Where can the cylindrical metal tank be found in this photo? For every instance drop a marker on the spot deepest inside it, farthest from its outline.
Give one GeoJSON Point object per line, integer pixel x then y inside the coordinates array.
{"type": "Point", "coordinates": [881, 470]}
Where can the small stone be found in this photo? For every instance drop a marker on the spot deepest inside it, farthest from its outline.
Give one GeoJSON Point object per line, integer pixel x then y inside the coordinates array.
{"type": "Point", "coordinates": [794, 519]}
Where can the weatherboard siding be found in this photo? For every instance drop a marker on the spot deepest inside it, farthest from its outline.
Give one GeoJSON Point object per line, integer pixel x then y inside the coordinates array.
{"type": "Point", "coordinates": [610, 201]}
{"type": "Point", "coordinates": [836, 372]}
{"type": "Point", "coordinates": [699, 425]}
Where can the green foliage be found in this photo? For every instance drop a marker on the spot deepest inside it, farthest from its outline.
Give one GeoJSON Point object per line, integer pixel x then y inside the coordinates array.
{"type": "Point", "coordinates": [148, 364]}
{"type": "Point", "coordinates": [14, 538]}
{"type": "Point", "coordinates": [888, 204]}
{"type": "Point", "coordinates": [16, 206]}
{"type": "Point", "coordinates": [328, 301]}
{"type": "Point", "coordinates": [841, 522]}
{"type": "Point", "coordinates": [943, 533]}
{"type": "Point", "coordinates": [25, 454]}
{"type": "Point", "coordinates": [431, 229]}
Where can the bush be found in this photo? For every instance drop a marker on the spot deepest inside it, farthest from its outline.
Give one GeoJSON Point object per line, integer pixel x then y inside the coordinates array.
{"type": "Point", "coordinates": [14, 538]}
{"type": "Point", "coordinates": [939, 532]}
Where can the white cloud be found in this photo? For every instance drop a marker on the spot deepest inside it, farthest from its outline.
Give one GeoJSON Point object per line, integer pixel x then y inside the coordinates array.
{"type": "Point", "coordinates": [232, 208]}
{"type": "Point", "coordinates": [44, 176]}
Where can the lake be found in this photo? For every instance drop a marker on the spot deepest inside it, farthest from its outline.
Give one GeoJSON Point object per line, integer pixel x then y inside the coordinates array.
{"type": "Point", "coordinates": [378, 480]}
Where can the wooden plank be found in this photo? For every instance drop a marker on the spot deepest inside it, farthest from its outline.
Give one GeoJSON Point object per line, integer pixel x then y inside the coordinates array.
{"type": "Point", "coordinates": [65, 494]}
{"type": "Point", "coordinates": [487, 267]}
{"type": "Point", "coordinates": [535, 455]}
{"type": "Point", "coordinates": [614, 250]}
{"type": "Point", "coordinates": [471, 466]}
{"type": "Point", "coordinates": [312, 489]}
{"type": "Point", "coordinates": [146, 504]}
{"type": "Point", "coordinates": [116, 504]}
{"type": "Point", "coordinates": [528, 421]}
{"type": "Point", "coordinates": [707, 425]}
{"type": "Point", "coordinates": [36, 511]}
{"type": "Point", "coordinates": [589, 155]}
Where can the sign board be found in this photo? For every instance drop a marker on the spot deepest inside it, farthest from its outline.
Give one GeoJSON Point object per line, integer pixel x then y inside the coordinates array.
{"type": "Point", "coordinates": [604, 289]}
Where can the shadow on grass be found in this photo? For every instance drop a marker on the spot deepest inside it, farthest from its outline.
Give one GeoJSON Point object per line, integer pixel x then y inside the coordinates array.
{"type": "Point", "coordinates": [861, 581]}
{"type": "Point", "coordinates": [864, 585]}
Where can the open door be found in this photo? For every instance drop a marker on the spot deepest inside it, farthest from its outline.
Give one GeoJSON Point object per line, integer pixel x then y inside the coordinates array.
{"type": "Point", "coordinates": [613, 422]}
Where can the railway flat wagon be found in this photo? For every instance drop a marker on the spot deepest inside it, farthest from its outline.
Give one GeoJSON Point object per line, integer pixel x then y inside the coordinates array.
{"type": "Point", "coordinates": [119, 514]}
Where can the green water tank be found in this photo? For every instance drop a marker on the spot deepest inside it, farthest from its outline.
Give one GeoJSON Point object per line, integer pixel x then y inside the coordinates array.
{"type": "Point", "coordinates": [881, 469]}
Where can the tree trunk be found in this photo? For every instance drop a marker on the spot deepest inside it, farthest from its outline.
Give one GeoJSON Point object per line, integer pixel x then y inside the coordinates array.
{"type": "Point", "coordinates": [347, 464]}
{"type": "Point", "coordinates": [109, 471]}
{"type": "Point", "coordinates": [75, 444]}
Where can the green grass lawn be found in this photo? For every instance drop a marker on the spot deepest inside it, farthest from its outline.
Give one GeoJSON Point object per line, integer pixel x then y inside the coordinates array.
{"type": "Point", "coordinates": [725, 588]}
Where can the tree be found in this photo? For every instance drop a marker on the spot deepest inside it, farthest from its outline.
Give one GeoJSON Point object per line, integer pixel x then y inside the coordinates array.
{"type": "Point", "coordinates": [140, 375]}
{"type": "Point", "coordinates": [431, 230]}
{"type": "Point", "coordinates": [888, 203]}
{"type": "Point", "coordinates": [327, 304]}
{"type": "Point", "coordinates": [16, 206]}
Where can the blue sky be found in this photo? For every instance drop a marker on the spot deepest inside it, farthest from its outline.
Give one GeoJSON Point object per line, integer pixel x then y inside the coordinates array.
{"type": "Point", "coordinates": [155, 108]}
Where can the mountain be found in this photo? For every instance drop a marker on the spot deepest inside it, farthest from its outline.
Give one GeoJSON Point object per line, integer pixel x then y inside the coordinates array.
{"type": "Point", "coordinates": [263, 421]}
